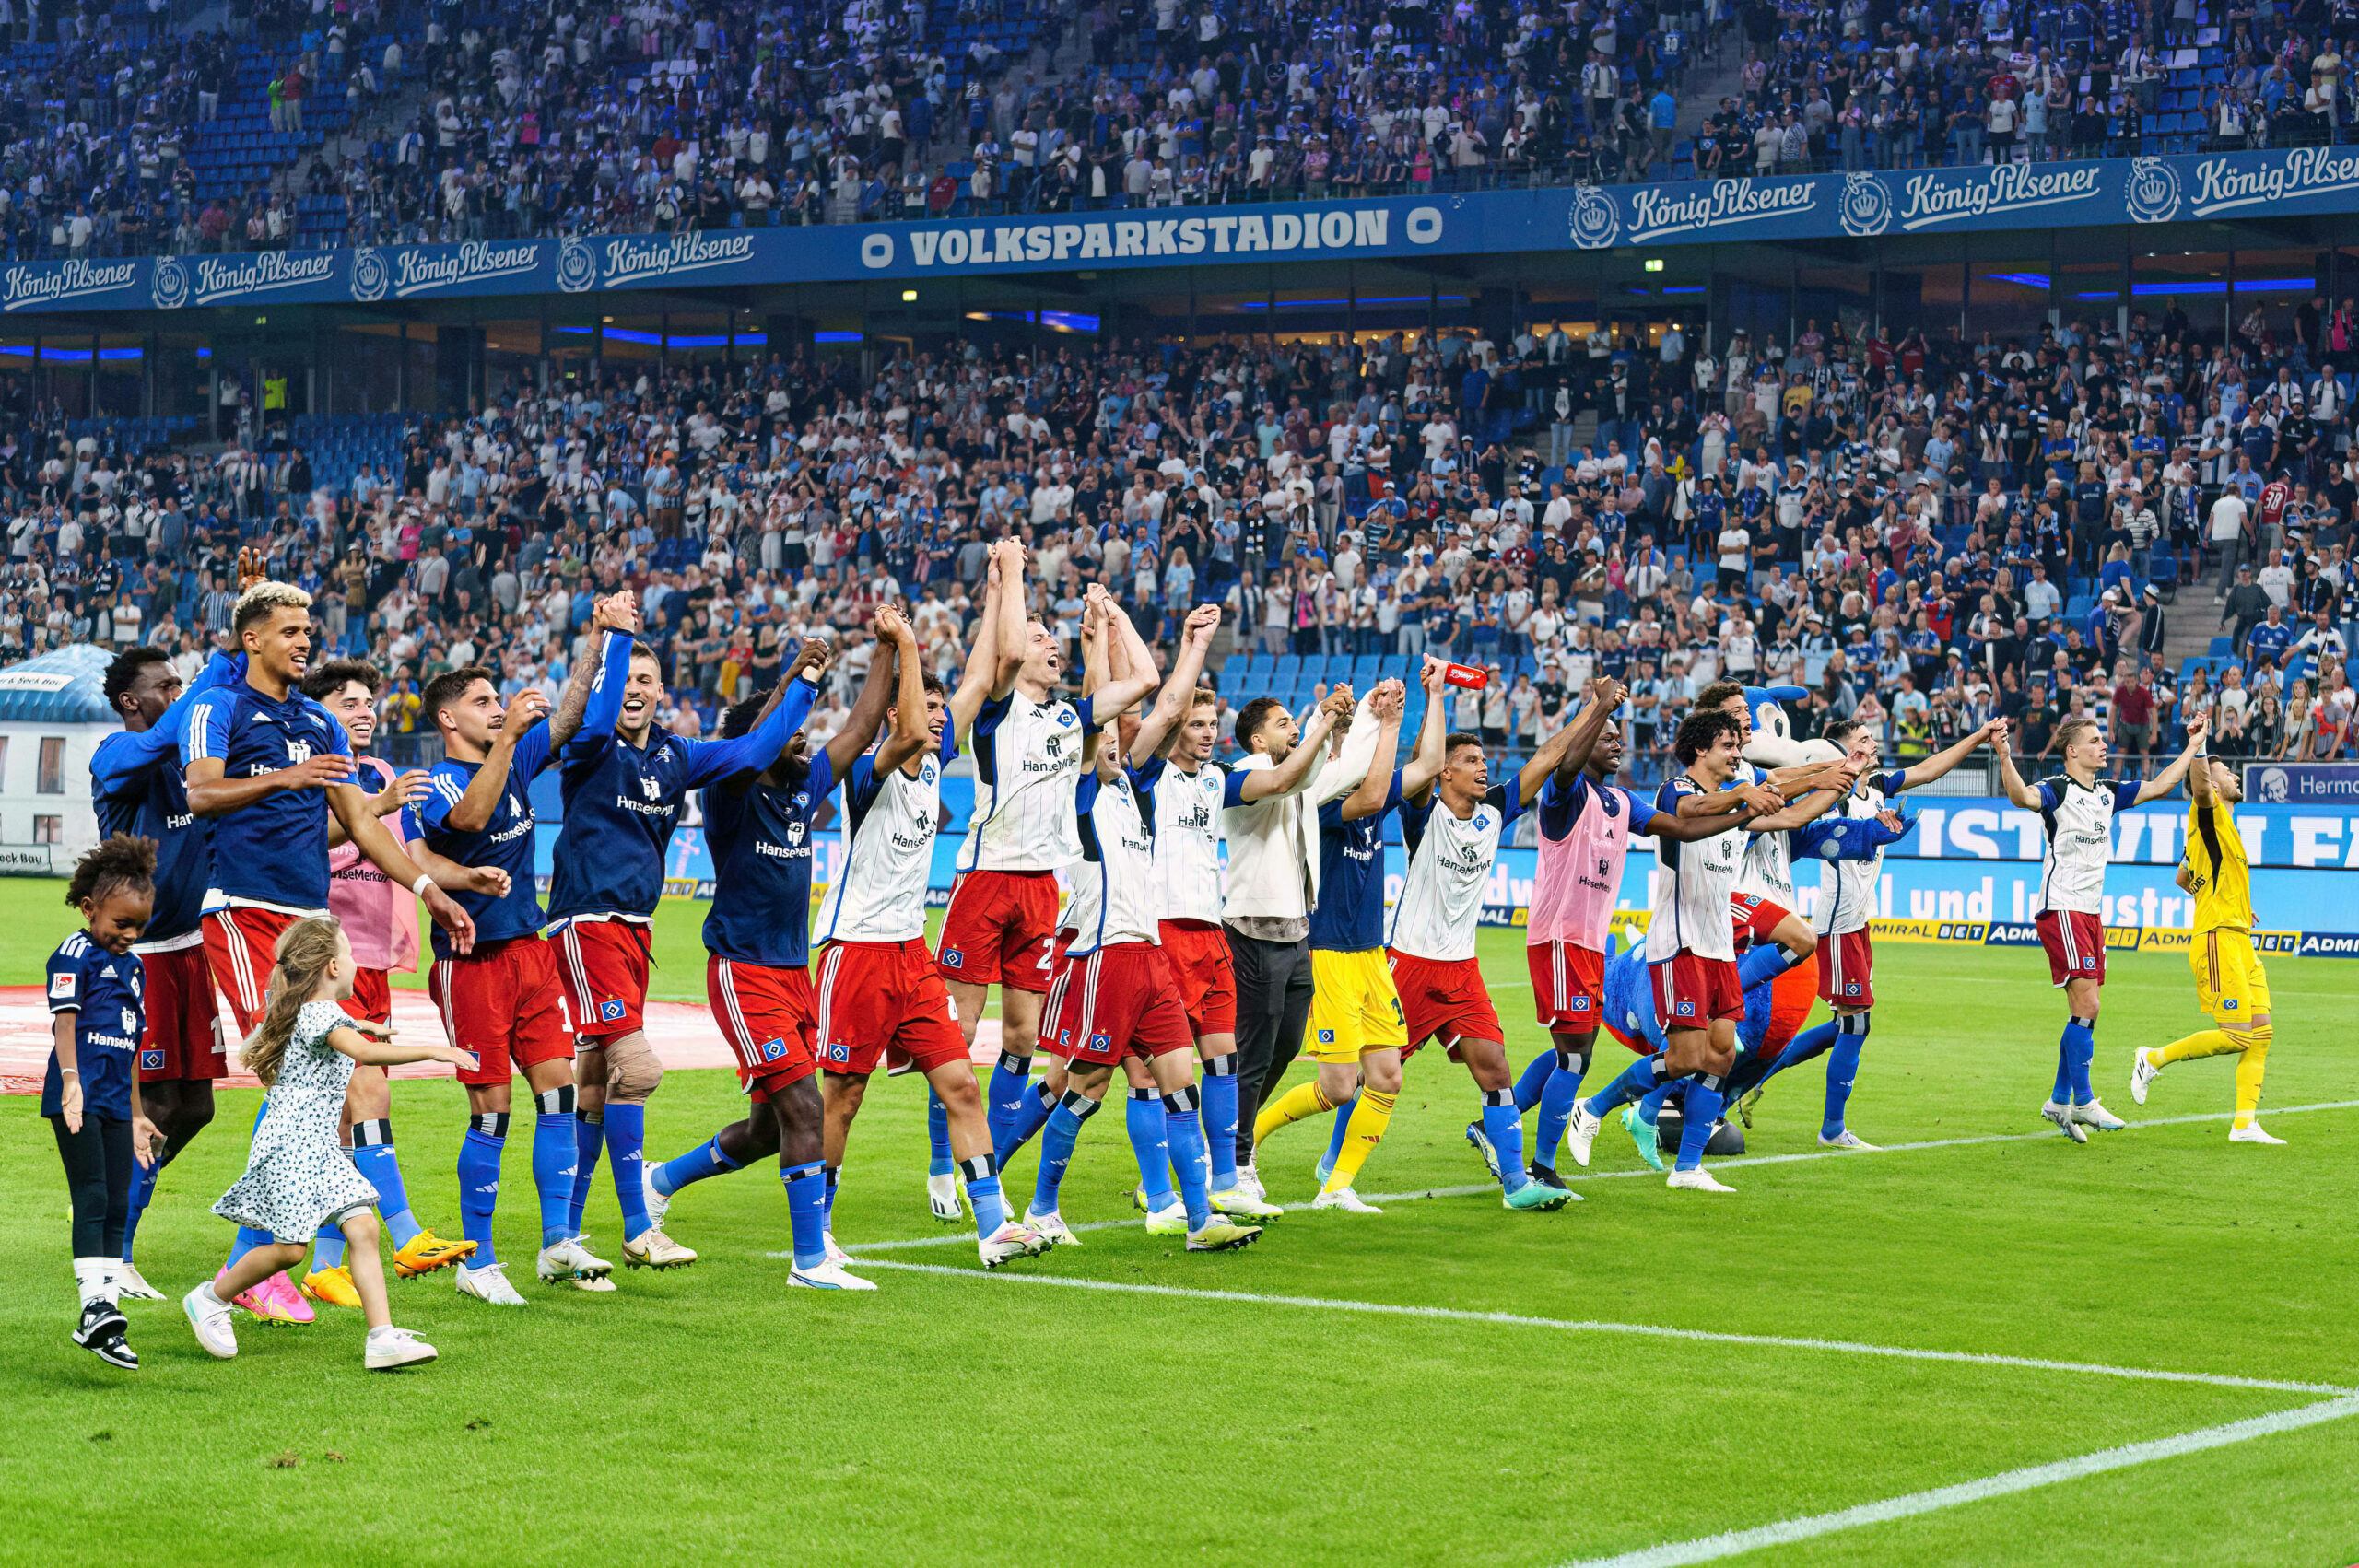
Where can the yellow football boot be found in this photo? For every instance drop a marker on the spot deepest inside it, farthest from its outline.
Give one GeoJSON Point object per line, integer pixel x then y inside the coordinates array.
{"type": "Point", "coordinates": [331, 1287]}
{"type": "Point", "coordinates": [426, 1252]}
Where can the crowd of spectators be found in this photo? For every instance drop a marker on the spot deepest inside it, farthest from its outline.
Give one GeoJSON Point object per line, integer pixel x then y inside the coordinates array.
{"type": "Point", "coordinates": [1921, 534]}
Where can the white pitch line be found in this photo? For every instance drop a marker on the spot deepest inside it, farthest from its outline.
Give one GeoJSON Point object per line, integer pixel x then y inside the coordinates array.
{"type": "Point", "coordinates": [1478, 1190]}
{"type": "Point", "coordinates": [1712, 1548]}
{"type": "Point", "coordinates": [1643, 1330]}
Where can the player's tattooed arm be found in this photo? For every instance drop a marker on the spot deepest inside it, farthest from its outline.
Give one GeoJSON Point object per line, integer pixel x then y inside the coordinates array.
{"type": "Point", "coordinates": [616, 613]}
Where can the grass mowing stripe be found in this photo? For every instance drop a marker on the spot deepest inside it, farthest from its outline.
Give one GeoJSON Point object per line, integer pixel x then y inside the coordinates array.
{"type": "Point", "coordinates": [1644, 1330]}
{"type": "Point", "coordinates": [1477, 1190]}
{"type": "Point", "coordinates": [1712, 1548]}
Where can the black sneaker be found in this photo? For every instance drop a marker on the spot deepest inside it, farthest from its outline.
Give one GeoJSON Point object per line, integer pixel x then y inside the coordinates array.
{"type": "Point", "coordinates": [100, 1332]}
{"type": "Point", "coordinates": [1547, 1175]}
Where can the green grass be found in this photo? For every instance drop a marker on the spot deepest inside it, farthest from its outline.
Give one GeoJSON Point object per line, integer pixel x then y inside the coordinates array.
{"type": "Point", "coordinates": [713, 1414]}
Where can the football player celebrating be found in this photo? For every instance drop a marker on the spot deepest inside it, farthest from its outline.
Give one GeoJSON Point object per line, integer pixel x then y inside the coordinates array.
{"type": "Point", "coordinates": [500, 997]}
{"type": "Point", "coordinates": [2230, 984]}
{"type": "Point", "coordinates": [2076, 809]}
{"type": "Point", "coordinates": [622, 789]}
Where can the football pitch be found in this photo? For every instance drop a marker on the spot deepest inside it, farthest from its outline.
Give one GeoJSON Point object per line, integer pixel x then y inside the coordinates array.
{"type": "Point", "coordinates": [1983, 1345]}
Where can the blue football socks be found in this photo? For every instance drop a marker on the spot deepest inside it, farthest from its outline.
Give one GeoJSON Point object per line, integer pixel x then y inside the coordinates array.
{"type": "Point", "coordinates": [827, 1205]}
{"type": "Point", "coordinates": [480, 1182]}
{"type": "Point", "coordinates": [937, 1135]}
{"type": "Point", "coordinates": [1636, 1080]}
{"type": "Point", "coordinates": [588, 1138]}
{"type": "Point", "coordinates": [1703, 1108]}
{"type": "Point", "coordinates": [1503, 1125]}
{"type": "Point", "coordinates": [1011, 1075]}
{"type": "Point", "coordinates": [705, 1160]}
{"type": "Point", "coordinates": [1218, 1092]}
{"type": "Point", "coordinates": [1144, 1119]}
{"type": "Point", "coordinates": [983, 1195]}
{"type": "Point", "coordinates": [1561, 1085]}
{"type": "Point", "coordinates": [1842, 1072]}
{"type": "Point", "coordinates": [1336, 1139]}
{"type": "Point", "coordinates": [143, 1189]}
{"type": "Point", "coordinates": [806, 1211]}
{"type": "Point", "coordinates": [556, 1152]}
{"type": "Point", "coordinates": [1763, 963]}
{"type": "Point", "coordinates": [1031, 1115]}
{"type": "Point", "coordinates": [2078, 1049]}
{"type": "Point", "coordinates": [373, 1156]}
{"type": "Point", "coordinates": [627, 1143]}
{"type": "Point", "coordinates": [1533, 1084]}
{"type": "Point", "coordinates": [1057, 1141]}
{"type": "Point", "coordinates": [1183, 1111]}
{"type": "Point", "coordinates": [1811, 1042]}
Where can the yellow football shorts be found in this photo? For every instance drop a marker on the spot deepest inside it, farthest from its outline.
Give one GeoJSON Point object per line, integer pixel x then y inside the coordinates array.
{"type": "Point", "coordinates": [1353, 1008]}
{"type": "Point", "coordinates": [2230, 984]}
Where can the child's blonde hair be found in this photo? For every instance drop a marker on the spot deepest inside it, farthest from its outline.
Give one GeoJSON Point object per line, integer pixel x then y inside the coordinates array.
{"type": "Point", "coordinates": [305, 951]}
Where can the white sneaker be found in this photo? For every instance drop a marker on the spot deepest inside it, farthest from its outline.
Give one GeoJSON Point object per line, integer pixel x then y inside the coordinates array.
{"type": "Point", "coordinates": [1168, 1221]}
{"type": "Point", "coordinates": [1051, 1226]}
{"type": "Point", "coordinates": [2142, 1073]}
{"type": "Point", "coordinates": [1350, 1202]}
{"type": "Point", "coordinates": [652, 1249]}
{"type": "Point", "coordinates": [2252, 1133]}
{"type": "Point", "coordinates": [2095, 1115]}
{"type": "Point", "coordinates": [1697, 1180]}
{"type": "Point", "coordinates": [210, 1318]}
{"type": "Point", "coordinates": [390, 1346]}
{"type": "Point", "coordinates": [828, 1277]}
{"type": "Point", "coordinates": [1010, 1242]}
{"type": "Point", "coordinates": [129, 1286]}
{"type": "Point", "coordinates": [836, 1255]}
{"type": "Point", "coordinates": [943, 1195]}
{"type": "Point", "coordinates": [1238, 1203]}
{"type": "Point", "coordinates": [1847, 1138]}
{"type": "Point", "coordinates": [1249, 1182]}
{"type": "Point", "coordinates": [489, 1283]}
{"type": "Point", "coordinates": [1582, 1132]}
{"type": "Point", "coordinates": [657, 1204]}
{"type": "Point", "coordinates": [570, 1260]}
{"type": "Point", "coordinates": [2062, 1115]}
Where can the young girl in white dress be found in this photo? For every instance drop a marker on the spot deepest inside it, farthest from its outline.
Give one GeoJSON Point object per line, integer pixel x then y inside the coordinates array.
{"type": "Point", "coordinates": [297, 1177]}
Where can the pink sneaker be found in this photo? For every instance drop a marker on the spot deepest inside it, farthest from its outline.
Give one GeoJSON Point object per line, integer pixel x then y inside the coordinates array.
{"type": "Point", "coordinates": [298, 1308]}
{"type": "Point", "coordinates": [276, 1301]}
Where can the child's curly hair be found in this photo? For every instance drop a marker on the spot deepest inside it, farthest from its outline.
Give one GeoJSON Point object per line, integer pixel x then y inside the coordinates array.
{"type": "Point", "coordinates": [121, 861]}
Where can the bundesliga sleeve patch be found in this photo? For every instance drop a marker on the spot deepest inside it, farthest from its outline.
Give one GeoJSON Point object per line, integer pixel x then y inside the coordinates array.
{"type": "Point", "coordinates": [62, 985]}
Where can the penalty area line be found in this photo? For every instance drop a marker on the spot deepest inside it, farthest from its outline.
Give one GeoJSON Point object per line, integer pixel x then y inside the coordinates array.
{"type": "Point", "coordinates": [1712, 1548]}
{"type": "Point", "coordinates": [1576, 1176]}
{"type": "Point", "coordinates": [1641, 1330]}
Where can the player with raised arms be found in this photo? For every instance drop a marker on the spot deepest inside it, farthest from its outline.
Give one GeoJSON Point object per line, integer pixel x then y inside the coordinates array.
{"type": "Point", "coordinates": [2230, 984]}
{"type": "Point", "coordinates": [269, 767]}
{"type": "Point", "coordinates": [1357, 1029]}
{"type": "Point", "coordinates": [2076, 809]}
{"type": "Point", "coordinates": [623, 788]}
{"type": "Point", "coordinates": [379, 921]}
{"type": "Point", "coordinates": [1172, 770]}
{"type": "Point", "coordinates": [1847, 901]}
{"type": "Point", "coordinates": [1113, 997]}
{"type": "Point", "coordinates": [499, 995]}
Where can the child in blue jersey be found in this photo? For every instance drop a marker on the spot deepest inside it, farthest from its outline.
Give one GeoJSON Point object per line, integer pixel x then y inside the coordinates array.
{"type": "Point", "coordinates": [622, 789]}
{"type": "Point", "coordinates": [90, 1093]}
{"type": "Point", "coordinates": [136, 789]}
{"type": "Point", "coordinates": [501, 999]}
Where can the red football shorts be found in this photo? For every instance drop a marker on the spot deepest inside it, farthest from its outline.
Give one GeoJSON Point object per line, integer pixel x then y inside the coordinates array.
{"type": "Point", "coordinates": [877, 996]}
{"type": "Point", "coordinates": [1001, 929]}
{"type": "Point", "coordinates": [241, 946]}
{"type": "Point", "coordinates": [2075, 942]}
{"type": "Point", "coordinates": [603, 963]}
{"type": "Point", "coordinates": [768, 1015]}
{"type": "Point", "coordinates": [372, 997]}
{"type": "Point", "coordinates": [503, 1001]}
{"type": "Point", "coordinates": [1568, 985]}
{"type": "Point", "coordinates": [1114, 1002]}
{"type": "Point", "coordinates": [1443, 1001]}
{"type": "Point", "coordinates": [1846, 969]}
{"type": "Point", "coordinates": [1756, 917]}
{"type": "Point", "coordinates": [1197, 956]}
{"type": "Point", "coordinates": [182, 1038]}
{"type": "Point", "coordinates": [1791, 996]}
{"type": "Point", "coordinates": [1693, 991]}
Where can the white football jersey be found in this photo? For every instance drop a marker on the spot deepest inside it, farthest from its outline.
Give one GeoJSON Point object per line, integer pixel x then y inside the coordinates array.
{"type": "Point", "coordinates": [1187, 811]}
{"type": "Point", "coordinates": [2078, 821]}
{"type": "Point", "coordinates": [1691, 887]}
{"type": "Point", "coordinates": [1113, 880]}
{"type": "Point", "coordinates": [1768, 869]}
{"type": "Point", "coordinates": [889, 821]}
{"type": "Point", "coordinates": [1028, 755]}
{"type": "Point", "coordinates": [1847, 889]}
{"type": "Point", "coordinates": [1449, 868]}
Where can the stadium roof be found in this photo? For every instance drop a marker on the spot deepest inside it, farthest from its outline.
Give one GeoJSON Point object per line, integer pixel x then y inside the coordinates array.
{"type": "Point", "coordinates": [64, 687]}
